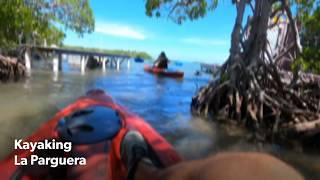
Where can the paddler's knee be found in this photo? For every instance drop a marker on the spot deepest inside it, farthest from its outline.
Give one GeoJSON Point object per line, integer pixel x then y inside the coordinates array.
{"type": "Point", "coordinates": [248, 166]}
{"type": "Point", "coordinates": [229, 166]}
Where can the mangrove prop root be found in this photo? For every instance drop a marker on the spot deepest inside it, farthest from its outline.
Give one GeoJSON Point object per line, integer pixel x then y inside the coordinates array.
{"type": "Point", "coordinates": [11, 69]}
{"type": "Point", "coordinates": [275, 108]}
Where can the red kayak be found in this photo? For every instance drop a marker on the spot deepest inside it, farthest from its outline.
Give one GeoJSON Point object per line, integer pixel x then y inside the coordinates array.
{"type": "Point", "coordinates": [163, 72]}
{"type": "Point", "coordinates": [95, 126]}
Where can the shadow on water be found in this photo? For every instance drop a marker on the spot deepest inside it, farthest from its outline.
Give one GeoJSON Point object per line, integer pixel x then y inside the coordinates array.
{"type": "Point", "coordinates": [162, 102]}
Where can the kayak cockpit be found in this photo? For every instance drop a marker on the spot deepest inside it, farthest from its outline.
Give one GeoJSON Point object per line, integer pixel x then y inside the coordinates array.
{"type": "Point", "coordinates": [89, 125]}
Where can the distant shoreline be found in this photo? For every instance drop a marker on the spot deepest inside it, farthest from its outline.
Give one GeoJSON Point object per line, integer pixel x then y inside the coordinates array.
{"type": "Point", "coordinates": [130, 53]}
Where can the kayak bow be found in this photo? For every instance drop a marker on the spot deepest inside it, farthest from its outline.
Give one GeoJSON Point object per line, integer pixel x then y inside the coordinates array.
{"type": "Point", "coordinates": [96, 126]}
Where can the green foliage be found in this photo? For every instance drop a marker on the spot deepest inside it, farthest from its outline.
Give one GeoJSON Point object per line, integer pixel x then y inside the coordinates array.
{"type": "Point", "coordinates": [309, 17]}
{"type": "Point", "coordinates": [132, 54]}
{"type": "Point", "coordinates": [309, 60]}
{"type": "Point", "coordinates": [14, 17]}
{"type": "Point", "coordinates": [224, 77]}
{"type": "Point", "coordinates": [180, 10]}
{"type": "Point", "coordinates": [30, 21]}
{"type": "Point", "coordinates": [73, 14]}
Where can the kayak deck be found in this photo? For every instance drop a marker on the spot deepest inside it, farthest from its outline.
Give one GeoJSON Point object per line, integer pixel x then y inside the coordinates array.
{"type": "Point", "coordinates": [103, 159]}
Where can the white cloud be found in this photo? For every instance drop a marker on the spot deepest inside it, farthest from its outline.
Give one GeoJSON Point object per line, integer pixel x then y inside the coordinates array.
{"type": "Point", "coordinates": [205, 41]}
{"type": "Point", "coordinates": [120, 30]}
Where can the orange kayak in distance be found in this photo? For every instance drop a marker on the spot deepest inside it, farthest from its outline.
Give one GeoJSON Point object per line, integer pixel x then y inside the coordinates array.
{"type": "Point", "coordinates": [164, 72]}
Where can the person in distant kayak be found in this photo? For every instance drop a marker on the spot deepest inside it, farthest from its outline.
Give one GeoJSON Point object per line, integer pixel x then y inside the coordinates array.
{"type": "Point", "coordinates": [224, 166]}
{"type": "Point", "coordinates": [162, 61]}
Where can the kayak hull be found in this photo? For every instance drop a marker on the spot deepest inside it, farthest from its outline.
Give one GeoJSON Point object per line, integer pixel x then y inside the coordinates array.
{"type": "Point", "coordinates": [103, 159]}
{"type": "Point", "coordinates": [163, 72]}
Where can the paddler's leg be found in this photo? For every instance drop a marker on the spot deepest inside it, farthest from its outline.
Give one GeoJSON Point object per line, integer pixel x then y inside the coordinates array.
{"type": "Point", "coordinates": [224, 166]}
{"type": "Point", "coordinates": [147, 171]}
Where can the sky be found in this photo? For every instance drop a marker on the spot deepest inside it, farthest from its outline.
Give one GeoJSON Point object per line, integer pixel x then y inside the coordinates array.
{"type": "Point", "coordinates": [122, 24]}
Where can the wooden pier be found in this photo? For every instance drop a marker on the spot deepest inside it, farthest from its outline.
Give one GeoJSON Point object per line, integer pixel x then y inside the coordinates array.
{"type": "Point", "coordinates": [111, 60]}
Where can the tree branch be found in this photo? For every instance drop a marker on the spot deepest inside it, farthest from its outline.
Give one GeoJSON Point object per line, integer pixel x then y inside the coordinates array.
{"type": "Point", "coordinates": [293, 25]}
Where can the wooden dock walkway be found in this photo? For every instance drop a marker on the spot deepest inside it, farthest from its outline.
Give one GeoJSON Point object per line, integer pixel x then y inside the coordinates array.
{"type": "Point", "coordinates": [106, 59]}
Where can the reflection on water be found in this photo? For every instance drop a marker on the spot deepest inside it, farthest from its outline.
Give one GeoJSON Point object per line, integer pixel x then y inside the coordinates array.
{"type": "Point", "coordinates": [163, 102]}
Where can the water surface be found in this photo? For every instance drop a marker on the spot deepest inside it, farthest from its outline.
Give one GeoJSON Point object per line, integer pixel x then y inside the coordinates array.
{"type": "Point", "coordinates": [163, 102]}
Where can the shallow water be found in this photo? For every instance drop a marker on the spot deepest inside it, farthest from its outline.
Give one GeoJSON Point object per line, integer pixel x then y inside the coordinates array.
{"type": "Point", "coordinates": [163, 102]}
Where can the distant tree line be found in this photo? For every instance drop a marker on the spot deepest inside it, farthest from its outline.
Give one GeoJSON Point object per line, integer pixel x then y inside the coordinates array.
{"type": "Point", "coordinates": [130, 53]}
